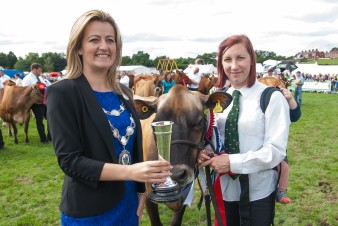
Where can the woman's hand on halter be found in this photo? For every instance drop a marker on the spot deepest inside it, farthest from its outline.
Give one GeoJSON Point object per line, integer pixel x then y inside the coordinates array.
{"type": "Point", "coordinates": [219, 163]}
{"type": "Point", "coordinates": [203, 156]}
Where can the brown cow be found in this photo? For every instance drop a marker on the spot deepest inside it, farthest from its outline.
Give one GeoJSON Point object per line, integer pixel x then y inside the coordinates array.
{"type": "Point", "coordinates": [8, 82]}
{"type": "Point", "coordinates": [186, 109]}
{"type": "Point", "coordinates": [181, 78]}
{"type": "Point", "coordinates": [131, 80]}
{"type": "Point", "coordinates": [206, 84]}
{"type": "Point", "coordinates": [148, 85]}
{"type": "Point", "coordinates": [16, 104]}
{"type": "Point", "coordinates": [272, 81]}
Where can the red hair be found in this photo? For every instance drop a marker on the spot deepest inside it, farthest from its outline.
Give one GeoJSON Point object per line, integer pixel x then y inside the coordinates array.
{"type": "Point", "coordinates": [225, 45]}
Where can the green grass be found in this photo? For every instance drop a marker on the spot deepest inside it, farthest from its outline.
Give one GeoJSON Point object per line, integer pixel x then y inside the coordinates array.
{"type": "Point", "coordinates": [30, 179]}
{"type": "Point", "coordinates": [333, 61]}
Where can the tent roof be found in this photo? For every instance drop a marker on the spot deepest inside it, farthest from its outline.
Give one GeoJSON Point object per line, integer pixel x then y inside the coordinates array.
{"type": "Point", "coordinates": [270, 63]}
{"type": "Point", "coordinates": [316, 69]}
{"type": "Point", "coordinates": [204, 69]}
{"type": "Point", "coordinates": [130, 67]}
{"type": "Point", "coordinates": [259, 67]}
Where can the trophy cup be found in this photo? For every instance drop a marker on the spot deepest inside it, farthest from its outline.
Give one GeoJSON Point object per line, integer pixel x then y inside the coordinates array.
{"type": "Point", "coordinates": [167, 191]}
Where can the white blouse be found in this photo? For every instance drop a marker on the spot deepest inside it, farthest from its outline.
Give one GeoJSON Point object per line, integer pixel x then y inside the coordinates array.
{"type": "Point", "coordinates": [262, 139]}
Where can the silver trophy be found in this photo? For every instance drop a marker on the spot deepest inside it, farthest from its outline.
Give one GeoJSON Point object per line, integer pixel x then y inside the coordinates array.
{"type": "Point", "coordinates": [167, 191]}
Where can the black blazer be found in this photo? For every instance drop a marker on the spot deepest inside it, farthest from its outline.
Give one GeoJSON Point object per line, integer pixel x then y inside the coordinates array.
{"type": "Point", "coordinates": [83, 142]}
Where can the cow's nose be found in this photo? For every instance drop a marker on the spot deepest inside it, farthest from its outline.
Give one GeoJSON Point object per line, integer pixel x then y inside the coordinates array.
{"type": "Point", "coordinates": [180, 176]}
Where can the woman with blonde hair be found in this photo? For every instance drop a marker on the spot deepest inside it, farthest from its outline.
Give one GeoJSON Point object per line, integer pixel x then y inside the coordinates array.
{"type": "Point", "coordinates": [96, 133]}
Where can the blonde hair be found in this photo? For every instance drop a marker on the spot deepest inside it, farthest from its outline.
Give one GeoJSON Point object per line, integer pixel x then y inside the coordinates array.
{"type": "Point", "coordinates": [74, 60]}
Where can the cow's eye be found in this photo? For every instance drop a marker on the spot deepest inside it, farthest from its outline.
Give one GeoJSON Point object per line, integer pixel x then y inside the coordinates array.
{"type": "Point", "coordinates": [35, 91]}
{"type": "Point", "coordinates": [199, 124]}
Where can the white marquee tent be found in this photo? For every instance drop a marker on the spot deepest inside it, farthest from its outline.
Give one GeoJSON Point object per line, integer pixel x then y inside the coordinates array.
{"type": "Point", "coordinates": [204, 69]}
{"type": "Point", "coordinates": [316, 69]}
{"type": "Point", "coordinates": [313, 69]}
{"type": "Point", "coordinates": [259, 68]}
{"type": "Point", "coordinates": [136, 69]}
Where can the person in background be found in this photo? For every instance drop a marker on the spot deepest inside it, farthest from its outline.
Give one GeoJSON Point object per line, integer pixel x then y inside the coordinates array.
{"type": "Point", "coordinates": [295, 114]}
{"type": "Point", "coordinates": [246, 163]}
{"type": "Point", "coordinates": [269, 73]}
{"type": "Point", "coordinates": [3, 77]}
{"type": "Point", "coordinates": [167, 82]}
{"type": "Point", "coordinates": [124, 79]}
{"type": "Point", "coordinates": [60, 76]}
{"type": "Point", "coordinates": [298, 90]}
{"type": "Point", "coordinates": [97, 135]}
{"type": "Point", "coordinates": [39, 110]}
{"type": "Point", "coordinates": [17, 79]}
{"type": "Point", "coordinates": [195, 78]}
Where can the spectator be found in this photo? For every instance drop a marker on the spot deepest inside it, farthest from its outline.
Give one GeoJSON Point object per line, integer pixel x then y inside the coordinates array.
{"type": "Point", "coordinates": [3, 77]}
{"type": "Point", "coordinates": [17, 79]}
{"type": "Point", "coordinates": [295, 114]}
{"type": "Point", "coordinates": [124, 79]}
{"type": "Point", "coordinates": [167, 82]}
{"type": "Point", "coordinates": [298, 90]}
{"type": "Point", "coordinates": [269, 74]}
{"type": "Point", "coordinates": [195, 78]}
{"type": "Point", "coordinates": [39, 110]}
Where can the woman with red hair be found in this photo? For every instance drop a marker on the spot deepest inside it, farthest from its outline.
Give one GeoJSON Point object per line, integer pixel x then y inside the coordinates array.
{"type": "Point", "coordinates": [254, 143]}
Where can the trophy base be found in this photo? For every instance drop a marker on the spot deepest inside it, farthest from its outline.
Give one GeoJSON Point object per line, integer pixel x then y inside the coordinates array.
{"type": "Point", "coordinates": [165, 194]}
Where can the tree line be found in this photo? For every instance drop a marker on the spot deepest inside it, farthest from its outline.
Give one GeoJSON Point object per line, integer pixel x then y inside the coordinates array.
{"type": "Point", "coordinates": [53, 61]}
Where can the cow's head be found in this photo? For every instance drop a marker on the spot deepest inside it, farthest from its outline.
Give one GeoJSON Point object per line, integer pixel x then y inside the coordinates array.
{"type": "Point", "coordinates": [186, 110]}
{"type": "Point", "coordinates": [39, 92]}
{"type": "Point", "coordinates": [9, 82]}
{"type": "Point", "coordinates": [181, 78]}
{"type": "Point", "coordinates": [158, 85]}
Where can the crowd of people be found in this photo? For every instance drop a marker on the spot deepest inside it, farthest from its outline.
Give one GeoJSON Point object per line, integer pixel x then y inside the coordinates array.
{"type": "Point", "coordinates": [308, 77]}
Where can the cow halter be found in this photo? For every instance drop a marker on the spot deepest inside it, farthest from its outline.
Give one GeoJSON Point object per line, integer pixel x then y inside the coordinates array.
{"type": "Point", "coordinates": [124, 157]}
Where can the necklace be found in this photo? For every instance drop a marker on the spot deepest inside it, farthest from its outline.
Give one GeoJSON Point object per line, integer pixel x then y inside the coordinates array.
{"type": "Point", "coordinates": [124, 157]}
{"type": "Point", "coordinates": [115, 112]}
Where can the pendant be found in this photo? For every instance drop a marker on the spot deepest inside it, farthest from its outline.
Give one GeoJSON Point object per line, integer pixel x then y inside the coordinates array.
{"type": "Point", "coordinates": [115, 112]}
{"type": "Point", "coordinates": [125, 158]}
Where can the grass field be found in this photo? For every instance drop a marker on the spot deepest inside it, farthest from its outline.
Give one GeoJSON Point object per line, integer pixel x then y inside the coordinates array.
{"type": "Point", "coordinates": [30, 179]}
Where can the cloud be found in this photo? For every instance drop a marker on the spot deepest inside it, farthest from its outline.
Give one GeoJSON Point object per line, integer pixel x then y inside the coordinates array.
{"type": "Point", "coordinates": [177, 28]}
{"type": "Point", "coordinates": [148, 37]}
{"type": "Point", "coordinates": [321, 17]}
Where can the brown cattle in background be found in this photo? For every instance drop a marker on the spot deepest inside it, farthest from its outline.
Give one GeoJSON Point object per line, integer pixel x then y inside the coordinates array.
{"type": "Point", "coordinates": [272, 81]}
{"type": "Point", "coordinates": [131, 80]}
{"type": "Point", "coordinates": [148, 85]}
{"type": "Point", "coordinates": [16, 104]}
{"type": "Point", "coordinates": [8, 82]}
{"type": "Point", "coordinates": [206, 83]}
{"type": "Point", "coordinates": [181, 78]}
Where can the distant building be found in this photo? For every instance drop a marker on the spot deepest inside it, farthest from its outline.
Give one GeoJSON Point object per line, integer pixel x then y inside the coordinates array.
{"type": "Point", "coordinates": [332, 54]}
{"type": "Point", "coordinates": [315, 54]}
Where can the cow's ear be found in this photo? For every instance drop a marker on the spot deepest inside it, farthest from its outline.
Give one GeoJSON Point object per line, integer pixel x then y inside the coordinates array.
{"type": "Point", "coordinates": [145, 106]}
{"type": "Point", "coordinates": [218, 101]}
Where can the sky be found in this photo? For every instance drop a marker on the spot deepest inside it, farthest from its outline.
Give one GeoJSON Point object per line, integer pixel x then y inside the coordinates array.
{"type": "Point", "coordinates": [175, 28]}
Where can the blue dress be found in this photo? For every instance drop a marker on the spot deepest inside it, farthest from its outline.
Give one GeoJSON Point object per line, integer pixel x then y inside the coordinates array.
{"type": "Point", "coordinates": [124, 213]}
